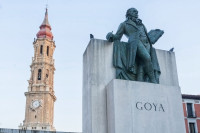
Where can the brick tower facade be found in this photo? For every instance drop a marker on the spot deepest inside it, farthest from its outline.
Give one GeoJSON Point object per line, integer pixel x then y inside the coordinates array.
{"type": "Point", "coordinates": [40, 98]}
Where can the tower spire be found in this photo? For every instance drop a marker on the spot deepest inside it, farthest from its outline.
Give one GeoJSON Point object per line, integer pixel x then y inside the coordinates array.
{"type": "Point", "coordinates": [45, 28]}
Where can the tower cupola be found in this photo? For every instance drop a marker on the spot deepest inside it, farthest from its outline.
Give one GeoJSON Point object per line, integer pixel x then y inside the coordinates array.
{"type": "Point", "coordinates": [45, 28]}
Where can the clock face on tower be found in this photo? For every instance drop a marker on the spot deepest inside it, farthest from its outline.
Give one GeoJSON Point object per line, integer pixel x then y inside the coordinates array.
{"type": "Point", "coordinates": [35, 104]}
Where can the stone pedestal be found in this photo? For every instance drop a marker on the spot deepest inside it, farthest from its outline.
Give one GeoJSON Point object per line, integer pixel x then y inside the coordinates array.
{"type": "Point", "coordinates": [98, 71]}
{"type": "Point", "coordinates": [137, 107]}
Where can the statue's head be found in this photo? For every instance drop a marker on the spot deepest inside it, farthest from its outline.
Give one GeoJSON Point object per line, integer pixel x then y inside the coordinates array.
{"type": "Point", "coordinates": [132, 13]}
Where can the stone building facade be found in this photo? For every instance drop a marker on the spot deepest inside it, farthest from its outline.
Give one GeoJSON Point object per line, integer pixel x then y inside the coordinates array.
{"type": "Point", "coordinates": [40, 97]}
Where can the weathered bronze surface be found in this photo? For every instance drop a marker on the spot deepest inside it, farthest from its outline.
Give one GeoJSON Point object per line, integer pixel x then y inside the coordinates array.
{"type": "Point", "coordinates": [136, 59]}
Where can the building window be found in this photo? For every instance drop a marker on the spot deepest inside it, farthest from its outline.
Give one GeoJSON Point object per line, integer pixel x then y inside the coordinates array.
{"type": "Point", "coordinates": [192, 127]}
{"type": "Point", "coordinates": [41, 49]}
{"type": "Point", "coordinates": [190, 112]}
{"type": "Point", "coordinates": [47, 50]}
{"type": "Point", "coordinates": [39, 74]}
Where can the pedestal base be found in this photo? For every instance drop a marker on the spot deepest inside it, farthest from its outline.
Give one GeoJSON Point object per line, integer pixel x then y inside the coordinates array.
{"type": "Point", "coordinates": [138, 107]}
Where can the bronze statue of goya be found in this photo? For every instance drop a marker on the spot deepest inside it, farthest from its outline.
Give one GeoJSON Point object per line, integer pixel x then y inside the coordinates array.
{"type": "Point", "coordinates": [136, 59]}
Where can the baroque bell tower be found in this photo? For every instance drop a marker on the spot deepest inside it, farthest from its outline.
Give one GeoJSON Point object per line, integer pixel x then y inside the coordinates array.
{"type": "Point", "coordinates": [40, 97]}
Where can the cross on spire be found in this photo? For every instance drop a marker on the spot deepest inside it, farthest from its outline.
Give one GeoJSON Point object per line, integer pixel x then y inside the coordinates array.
{"type": "Point", "coordinates": [47, 4]}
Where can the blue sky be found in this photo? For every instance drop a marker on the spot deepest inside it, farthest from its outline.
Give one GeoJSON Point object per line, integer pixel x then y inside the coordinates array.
{"type": "Point", "coordinates": [72, 21]}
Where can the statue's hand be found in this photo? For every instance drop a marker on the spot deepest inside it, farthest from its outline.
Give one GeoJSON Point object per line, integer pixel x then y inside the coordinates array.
{"type": "Point", "coordinates": [110, 37]}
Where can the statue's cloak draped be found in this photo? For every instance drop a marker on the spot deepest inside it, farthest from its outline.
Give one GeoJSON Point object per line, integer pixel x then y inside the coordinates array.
{"type": "Point", "coordinates": [120, 62]}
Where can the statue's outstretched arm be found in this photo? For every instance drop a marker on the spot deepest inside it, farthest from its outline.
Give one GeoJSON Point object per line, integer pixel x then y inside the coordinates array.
{"type": "Point", "coordinates": [113, 37]}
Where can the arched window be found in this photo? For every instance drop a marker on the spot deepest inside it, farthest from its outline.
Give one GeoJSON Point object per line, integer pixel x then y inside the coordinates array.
{"type": "Point", "coordinates": [41, 49]}
{"type": "Point", "coordinates": [39, 74]}
{"type": "Point", "coordinates": [47, 50]}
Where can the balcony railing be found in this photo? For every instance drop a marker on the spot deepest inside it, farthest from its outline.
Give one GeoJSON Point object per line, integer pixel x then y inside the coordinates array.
{"type": "Point", "coordinates": [192, 115]}
{"type": "Point", "coordinates": [48, 60]}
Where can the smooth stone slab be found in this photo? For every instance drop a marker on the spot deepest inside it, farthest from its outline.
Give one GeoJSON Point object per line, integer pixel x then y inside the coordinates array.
{"type": "Point", "coordinates": [98, 71]}
{"type": "Point", "coordinates": [167, 62]}
{"type": "Point", "coordinates": [138, 107]}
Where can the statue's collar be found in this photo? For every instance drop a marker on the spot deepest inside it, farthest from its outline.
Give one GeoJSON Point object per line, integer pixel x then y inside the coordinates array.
{"type": "Point", "coordinates": [131, 23]}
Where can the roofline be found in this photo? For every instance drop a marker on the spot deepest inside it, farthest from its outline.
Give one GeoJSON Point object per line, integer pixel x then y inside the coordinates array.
{"type": "Point", "coordinates": [187, 96]}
